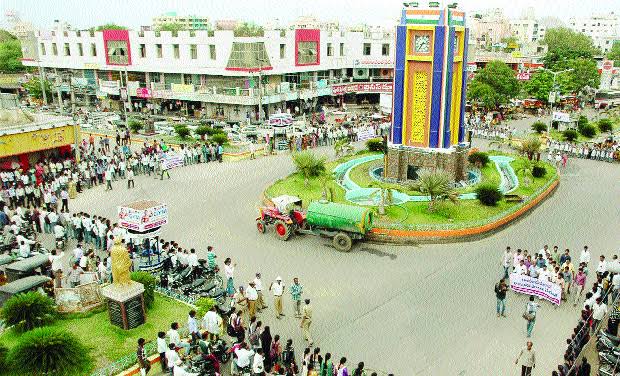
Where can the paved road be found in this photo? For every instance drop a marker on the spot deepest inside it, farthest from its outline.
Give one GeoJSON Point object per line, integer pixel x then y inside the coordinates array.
{"type": "Point", "coordinates": [412, 310]}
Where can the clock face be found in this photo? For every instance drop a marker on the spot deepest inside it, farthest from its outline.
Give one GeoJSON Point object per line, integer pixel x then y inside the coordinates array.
{"type": "Point", "coordinates": [422, 43]}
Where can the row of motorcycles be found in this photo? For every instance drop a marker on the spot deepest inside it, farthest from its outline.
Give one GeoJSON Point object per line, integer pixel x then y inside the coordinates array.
{"type": "Point", "coordinates": [608, 347]}
{"type": "Point", "coordinates": [197, 282]}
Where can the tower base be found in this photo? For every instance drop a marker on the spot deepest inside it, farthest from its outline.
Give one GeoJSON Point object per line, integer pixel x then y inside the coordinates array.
{"type": "Point", "coordinates": [404, 163]}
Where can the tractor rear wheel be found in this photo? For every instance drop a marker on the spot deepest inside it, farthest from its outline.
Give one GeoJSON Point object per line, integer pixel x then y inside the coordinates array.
{"type": "Point", "coordinates": [342, 242]}
{"type": "Point", "coordinates": [260, 226]}
{"type": "Point", "coordinates": [283, 230]}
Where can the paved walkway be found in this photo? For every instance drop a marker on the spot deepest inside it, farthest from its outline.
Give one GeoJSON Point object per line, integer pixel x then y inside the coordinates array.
{"type": "Point", "coordinates": [412, 310]}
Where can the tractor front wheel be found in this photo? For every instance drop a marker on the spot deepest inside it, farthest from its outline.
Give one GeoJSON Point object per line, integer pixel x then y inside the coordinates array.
{"type": "Point", "coordinates": [260, 226]}
{"type": "Point", "coordinates": [283, 230]}
{"type": "Point", "coordinates": [342, 242]}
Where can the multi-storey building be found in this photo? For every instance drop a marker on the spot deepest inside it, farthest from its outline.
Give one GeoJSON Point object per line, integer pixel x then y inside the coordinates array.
{"type": "Point", "coordinates": [488, 28]}
{"type": "Point", "coordinates": [214, 73]}
{"type": "Point", "coordinates": [603, 29]}
{"type": "Point", "coordinates": [186, 22]}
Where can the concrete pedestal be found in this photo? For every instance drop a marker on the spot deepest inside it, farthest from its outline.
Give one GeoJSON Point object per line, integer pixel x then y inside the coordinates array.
{"type": "Point", "coordinates": [125, 304]}
{"type": "Point", "coordinates": [404, 162]}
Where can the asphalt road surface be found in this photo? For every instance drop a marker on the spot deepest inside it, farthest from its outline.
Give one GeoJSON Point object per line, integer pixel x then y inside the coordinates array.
{"type": "Point", "coordinates": [411, 310]}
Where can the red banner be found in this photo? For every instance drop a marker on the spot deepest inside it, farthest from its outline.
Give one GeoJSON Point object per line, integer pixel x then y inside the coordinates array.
{"type": "Point", "coordinates": [364, 87]}
{"type": "Point", "coordinates": [143, 92]}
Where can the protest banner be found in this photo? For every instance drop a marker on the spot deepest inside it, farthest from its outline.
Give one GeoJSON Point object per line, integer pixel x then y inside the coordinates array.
{"type": "Point", "coordinates": [533, 286]}
{"type": "Point", "coordinates": [171, 160]}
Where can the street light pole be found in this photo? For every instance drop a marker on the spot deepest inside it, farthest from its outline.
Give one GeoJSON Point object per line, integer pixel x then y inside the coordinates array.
{"type": "Point", "coordinates": [555, 74]}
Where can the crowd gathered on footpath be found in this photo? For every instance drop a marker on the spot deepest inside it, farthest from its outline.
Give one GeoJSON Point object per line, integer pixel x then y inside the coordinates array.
{"type": "Point", "coordinates": [558, 267]}
{"type": "Point", "coordinates": [36, 201]}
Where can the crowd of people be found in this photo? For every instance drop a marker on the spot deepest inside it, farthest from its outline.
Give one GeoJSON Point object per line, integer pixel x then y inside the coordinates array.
{"type": "Point", "coordinates": [605, 152]}
{"type": "Point", "coordinates": [558, 267]}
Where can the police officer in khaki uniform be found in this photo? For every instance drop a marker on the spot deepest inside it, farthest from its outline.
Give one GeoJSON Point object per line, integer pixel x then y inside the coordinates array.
{"type": "Point", "coordinates": [306, 320]}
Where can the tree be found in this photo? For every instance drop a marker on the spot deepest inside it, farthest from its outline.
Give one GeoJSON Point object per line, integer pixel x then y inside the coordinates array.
{"type": "Point", "coordinates": [437, 185]}
{"type": "Point", "coordinates": [565, 44]}
{"type": "Point", "coordinates": [584, 74]}
{"type": "Point", "coordinates": [605, 125]}
{"type": "Point", "coordinates": [308, 165]}
{"type": "Point", "coordinates": [570, 135]}
{"type": "Point", "coordinates": [539, 85]}
{"type": "Point", "coordinates": [50, 351]}
{"type": "Point", "coordinates": [219, 138]}
{"type": "Point", "coordinates": [249, 29]}
{"type": "Point", "coordinates": [28, 310]}
{"type": "Point", "coordinates": [175, 27]}
{"type": "Point", "coordinates": [386, 197]}
{"type": "Point", "coordinates": [588, 131]}
{"type": "Point", "coordinates": [614, 53]}
{"type": "Point", "coordinates": [33, 86]}
{"type": "Point", "coordinates": [203, 305]}
{"type": "Point", "coordinates": [10, 56]}
{"type": "Point", "coordinates": [494, 85]}
{"type": "Point", "coordinates": [135, 125]}
{"type": "Point", "coordinates": [201, 131]}
{"type": "Point", "coordinates": [530, 147]}
{"type": "Point", "coordinates": [525, 170]}
{"type": "Point", "coordinates": [343, 147]}
{"type": "Point", "coordinates": [109, 26]}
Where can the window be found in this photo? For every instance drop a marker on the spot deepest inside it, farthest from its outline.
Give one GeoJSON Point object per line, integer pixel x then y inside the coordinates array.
{"type": "Point", "coordinates": [66, 33]}
{"type": "Point", "coordinates": [142, 50]}
{"type": "Point", "coordinates": [193, 51]}
{"type": "Point", "coordinates": [67, 50]}
{"type": "Point", "coordinates": [117, 52]}
{"type": "Point", "coordinates": [282, 51]}
{"type": "Point", "coordinates": [341, 49]}
{"type": "Point", "coordinates": [54, 49]}
{"type": "Point", "coordinates": [385, 49]}
{"type": "Point", "coordinates": [93, 49]}
{"type": "Point", "coordinates": [42, 49]}
{"type": "Point", "coordinates": [80, 49]}
{"type": "Point", "coordinates": [366, 49]}
{"type": "Point", "coordinates": [91, 33]}
{"type": "Point", "coordinates": [307, 53]}
{"type": "Point", "coordinates": [175, 51]}
{"type": "Point", "coordinates": [78, 33]}
{"type": "Point", "coordinates": [330, 49]}
{"type": "Point", "coordinates": [159, 50]}
{"type": "Point", "coordinates": [212, 54]}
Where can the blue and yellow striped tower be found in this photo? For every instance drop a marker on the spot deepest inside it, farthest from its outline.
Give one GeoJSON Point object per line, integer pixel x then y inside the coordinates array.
{"type": "Point", "coordinates": [430, 77]}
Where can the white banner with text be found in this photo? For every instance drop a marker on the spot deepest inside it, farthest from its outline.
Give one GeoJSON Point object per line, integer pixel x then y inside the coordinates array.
{"type": "Point", "coordinates": [533, 286]}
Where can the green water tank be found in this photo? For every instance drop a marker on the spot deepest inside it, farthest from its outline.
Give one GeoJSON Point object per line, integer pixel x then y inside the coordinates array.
{"type": "Point", "coordinates": [348, 218]}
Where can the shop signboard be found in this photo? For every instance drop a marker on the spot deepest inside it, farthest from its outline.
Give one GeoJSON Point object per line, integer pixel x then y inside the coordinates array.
{"type": "Point", "coordinates": [373, 63]}
{"type": "Point", "coordinates": [364, 87]}
{"type": "Point", "coordinates": [533, 286]}
{"type": "Point", "coordinates": [109, 87]}
{"type": "Point", "coordinates": [142, 219]}
{"type": "Point", "coordinates": [144, 92]}
{"type": "Point", "coordinates": [563, 117]}
{"type": "Point", "coordinates": [36, 140]}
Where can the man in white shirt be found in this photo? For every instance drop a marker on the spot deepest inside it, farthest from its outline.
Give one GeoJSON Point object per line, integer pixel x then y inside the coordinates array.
{"type": "Point", "coordinates": [277, 288]}
{"type": "Point", "coordinates": [585, 255]}
{"type": "Point", "coordinates": [192, 261]}
{"type": "Point", "coordinates": [543, 274]}
{"type": "Point", "coordinates": [59, 232]}
{"type": "Point", "coordinates": [243, 356]}
{"type": "Point", "coordinates": [601, 269]}
{"type": "Point", "coordinates": [173, 336]}
{"type": "Point", "coordinates": [211, 323]}
{"type": "Point", "coordinates": [251, 295]}
{"type": "Point", "coordinates": [172, 356]}
{"type": "Point", "coordinates": [517, 258]}
{"type": "Point", "coordinates": [258, 366]}
{"type": "Point", "coordinates": [258, 285]}
{"type": "Point", "coordinates": [520, 269]}
{"type": "Point", "coordinates": [599, 309]}
{"type": "Point", "coordinates": [24, 245]}
{"type": "Point", "coordinates": [78, 253]}
{"type": "Point", "coordinates": [506, 262]}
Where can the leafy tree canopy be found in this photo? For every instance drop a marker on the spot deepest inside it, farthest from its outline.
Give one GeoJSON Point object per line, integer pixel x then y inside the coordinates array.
{"type": "Point", "coordinates": [249, 29]}
{"type": "Point", "coordinates": [614, 54]}
{"type": "Point", "coordinates": [10, 56]}
{"type": "Point", "coordinates": [493, 85]}
{"type": "Point", "coordinates": [110, 26]}
{"type": "Point", "coordinates": [171, 26]}
{"type": "Point", "coordinates": [565, 44]}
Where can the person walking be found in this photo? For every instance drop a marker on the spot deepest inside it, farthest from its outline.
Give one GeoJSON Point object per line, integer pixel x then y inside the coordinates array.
{"type": "Point", "coordinates": [599, 310]}
{"type": "Point", "coordinates": [258, 285]}
{"type": "Point", "coordinates": [500, 294]}
{"type": "Point", "coordinates": [530, 315]}
{"type": "Point", "coordinates": [252, 296]}
{"type": "Point", "coordinates": [306, 320]}
{"type": "Point", "coordinates": [296, 291]}
{"type": "Point", "coordinates": [143, 361]}
{"type": "Point", "coordinates": [506, 262]}
{"type": "Point", "coordinates": [277, 288]}
{"type": "Point", "coordinates": [528, 359]}
{"type": "Point", "coordinates": [130, 182]}
{"type": "Point", "coordinates": [580, 284]}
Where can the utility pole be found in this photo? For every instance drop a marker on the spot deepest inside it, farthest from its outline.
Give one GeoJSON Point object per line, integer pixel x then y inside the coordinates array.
{"type": "Point", "coordinates": [122, 101]}
{"type": "Point", "coordinates": [42, 83]}
{"type": "Point", "coordinates": [555, 74]}
{"type": "Point", "coordinates": [127, 87]}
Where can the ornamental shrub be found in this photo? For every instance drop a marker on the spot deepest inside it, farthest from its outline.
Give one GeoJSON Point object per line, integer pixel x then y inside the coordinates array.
{"type": "Point", "coordinates": [478, 158]}
{"type": "Point", "coordinates": [539, 127]}
{"type": "Point", "coordinates": [4, 351]}
{"type": "Point", "coordinates": [28, 310]}
{"type": "Point", "coordinates": [182, 131]}
{"type": "Point", "coordinates": [135, 125]}
{"type": "Point", "coordinates": [538, 171]}
{"type": "Point", "coordinates": [588, 131]}
{"type": "Point", "coordinates": [582, 122]}
{"type": "Point", "coordinates": [49, 351]}
{"type": "Point", "coordinates": [605, 125]}
{"type": "Point", "coordinates": [149, 283]}
{"type": "Point", "coordinates": [219, 138]}
{"type": "Point", "coordinates": [488, 195]}
{"type": "Point", "coordinates": [202, 131]}
{"type": "Point", "coordinates": [374, 144]}
{"type": "Point", "coordinates": [570, 135]}
{"type": "Point", "coordinates": [203, 305]}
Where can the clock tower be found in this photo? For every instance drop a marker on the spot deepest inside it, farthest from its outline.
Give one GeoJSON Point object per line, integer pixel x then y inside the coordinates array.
{"type": "Point", "coordinates": [429, 90]}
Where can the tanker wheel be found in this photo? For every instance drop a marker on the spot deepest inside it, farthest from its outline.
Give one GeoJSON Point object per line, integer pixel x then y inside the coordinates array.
{"type": "Point", "coordinates": [342, 242]}
{"type": "Point", "coordinates": [283, 231]}
{"type": "Point", "coordinates": [260, 226]}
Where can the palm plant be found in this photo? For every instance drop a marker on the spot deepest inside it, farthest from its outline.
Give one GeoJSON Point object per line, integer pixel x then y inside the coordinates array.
{"type": "Point", "coordinates": [343, 147]}
{"type": "Point", "coordinates": [326, 181]}
{"type": "Point", "coordinates": [525, 171]}
{"type": "Point", "coordinates": [28, 311]}
{"type": "Point", "coordinates": [437, 185]}
{"type": "Point", "coordinates": [386, 196]}
{"type": "Point", "coordinates": [530, 146]}
{"type": "Point", "coordinates": [308, 165]}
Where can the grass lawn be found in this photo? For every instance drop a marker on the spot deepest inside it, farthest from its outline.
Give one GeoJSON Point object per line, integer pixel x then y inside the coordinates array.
{"type": "Point", "coordinates": [559, 136]}
{"type": "Point", "coordinates": [108, 343]}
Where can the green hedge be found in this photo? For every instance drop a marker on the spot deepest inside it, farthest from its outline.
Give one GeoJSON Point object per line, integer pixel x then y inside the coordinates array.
{"type": "Point", "coordinates": [149, 283]}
